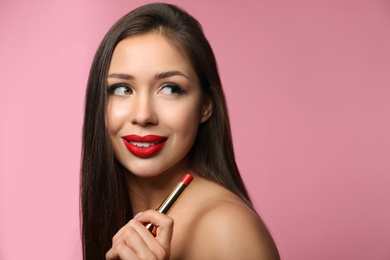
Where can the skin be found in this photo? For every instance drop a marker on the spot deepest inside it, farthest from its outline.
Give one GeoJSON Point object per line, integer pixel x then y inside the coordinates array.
{"type": "Point", "coordinates": [208, 222]}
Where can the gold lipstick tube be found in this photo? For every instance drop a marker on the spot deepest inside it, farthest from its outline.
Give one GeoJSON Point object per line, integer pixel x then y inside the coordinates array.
{"type": "Point", "coordinates": [171, 200]}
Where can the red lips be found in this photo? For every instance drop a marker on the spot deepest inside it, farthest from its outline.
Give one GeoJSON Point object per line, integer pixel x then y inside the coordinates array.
{"type": "Point", "coordinates": [144, 146]}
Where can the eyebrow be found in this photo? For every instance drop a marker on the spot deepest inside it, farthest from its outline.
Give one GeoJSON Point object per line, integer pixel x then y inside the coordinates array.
{"type": "Point", "coordinates": [162, 75]}
{"type": "Point", "coordinates": [168, 74]}
{"type": "Point", "coordinates": [120, 76]}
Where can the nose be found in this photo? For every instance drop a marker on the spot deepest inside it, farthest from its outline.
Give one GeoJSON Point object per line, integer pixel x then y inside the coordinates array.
{"type": "Point", "coordinates": [143, 111]}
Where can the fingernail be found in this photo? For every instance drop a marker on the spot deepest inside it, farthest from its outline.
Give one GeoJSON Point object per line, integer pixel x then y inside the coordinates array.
{"type": "Point", "coordinates": [138, 215]}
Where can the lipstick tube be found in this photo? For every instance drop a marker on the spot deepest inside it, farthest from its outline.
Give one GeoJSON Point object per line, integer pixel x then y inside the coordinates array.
{"type": "Point", "coordinates": [171, 200]}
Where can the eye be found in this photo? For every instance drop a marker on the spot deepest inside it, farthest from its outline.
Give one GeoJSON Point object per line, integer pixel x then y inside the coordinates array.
{"type": "Point", "coordinates": [120, 90]}
{"type": "Point", "coordinates": [172, 89]}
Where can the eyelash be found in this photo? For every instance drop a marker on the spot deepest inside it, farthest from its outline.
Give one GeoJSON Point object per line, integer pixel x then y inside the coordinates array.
{"type": "Point", "coordinates": [174, 87]}
{"type": "Point", "coordinates": [112, 88]}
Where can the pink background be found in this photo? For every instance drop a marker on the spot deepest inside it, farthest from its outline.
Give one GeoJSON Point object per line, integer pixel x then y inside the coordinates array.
{"type": "Point", "coordinates": [308, 90]}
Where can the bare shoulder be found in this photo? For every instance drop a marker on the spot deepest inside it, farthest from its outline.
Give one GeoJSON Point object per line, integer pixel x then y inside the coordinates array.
{"type": "Point", "coordinates": [227, 228]}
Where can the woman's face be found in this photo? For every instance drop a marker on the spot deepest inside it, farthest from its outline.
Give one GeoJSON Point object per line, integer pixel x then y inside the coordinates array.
{"type": "Point", "coordinates": [154, 106]}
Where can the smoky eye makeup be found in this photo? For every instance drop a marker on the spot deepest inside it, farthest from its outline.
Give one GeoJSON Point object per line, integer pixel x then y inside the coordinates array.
{"type": "Point", "coordinates": [120, 90]}
{"type": "Point", "coordinates": [172, 89]}
{"type": "Point", "coordinates": [123, 89]}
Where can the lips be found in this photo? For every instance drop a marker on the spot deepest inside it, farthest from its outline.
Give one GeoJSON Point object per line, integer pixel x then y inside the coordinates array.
{"type": "Point", "coordinates": [144, 146]}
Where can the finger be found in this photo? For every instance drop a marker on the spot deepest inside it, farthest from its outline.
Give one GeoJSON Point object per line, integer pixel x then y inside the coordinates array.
{"type": "Point", "coordinates": [159, 246]}
{"type": "Point", "coordinates": [121, 251]}
{"type": "Point", "coordinates": [163, 223]}
{"type": "Point", "coordinates": [159, 250]}
{"type": "Point", "coordinates": [133, 240]}
{"type": "Point", "coordinates": [120, 231]}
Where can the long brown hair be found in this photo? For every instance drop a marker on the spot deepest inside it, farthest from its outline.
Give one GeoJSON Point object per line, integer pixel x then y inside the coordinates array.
{"type": "Point", "coordinates": [105, 202]}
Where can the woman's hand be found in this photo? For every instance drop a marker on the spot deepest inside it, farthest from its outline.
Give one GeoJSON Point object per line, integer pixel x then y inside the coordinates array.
{"type": "Point", "coordinates": [134, 241]}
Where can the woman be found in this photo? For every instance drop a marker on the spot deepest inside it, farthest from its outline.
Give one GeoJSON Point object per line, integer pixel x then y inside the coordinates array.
{"type": "Point", "coordinates": [154, 111]}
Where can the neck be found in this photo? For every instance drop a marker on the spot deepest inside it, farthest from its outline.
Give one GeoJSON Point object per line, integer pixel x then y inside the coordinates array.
{"type": "Point", "coordinates": [148, 192]}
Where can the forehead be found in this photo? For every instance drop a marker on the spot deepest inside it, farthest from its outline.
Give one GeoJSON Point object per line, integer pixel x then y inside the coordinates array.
{"type": "Point", "coordinates": [153, 51]}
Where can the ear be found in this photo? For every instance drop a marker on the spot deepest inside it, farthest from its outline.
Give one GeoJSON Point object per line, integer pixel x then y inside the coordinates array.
{"type": "Point", "coordinates": [207, 110]}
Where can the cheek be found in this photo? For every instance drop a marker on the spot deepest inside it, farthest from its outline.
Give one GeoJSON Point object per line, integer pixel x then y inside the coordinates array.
{"type": "Point", "coordinates": [117, 116]}
{"type": "Point", "coordinates": [184, 120]}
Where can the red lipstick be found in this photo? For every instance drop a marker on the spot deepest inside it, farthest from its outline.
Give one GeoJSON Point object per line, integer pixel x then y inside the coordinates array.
{"type": "Point", "coordinates": [171, 200]}
{"type": "Point", "coordinates": [144, 146]}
